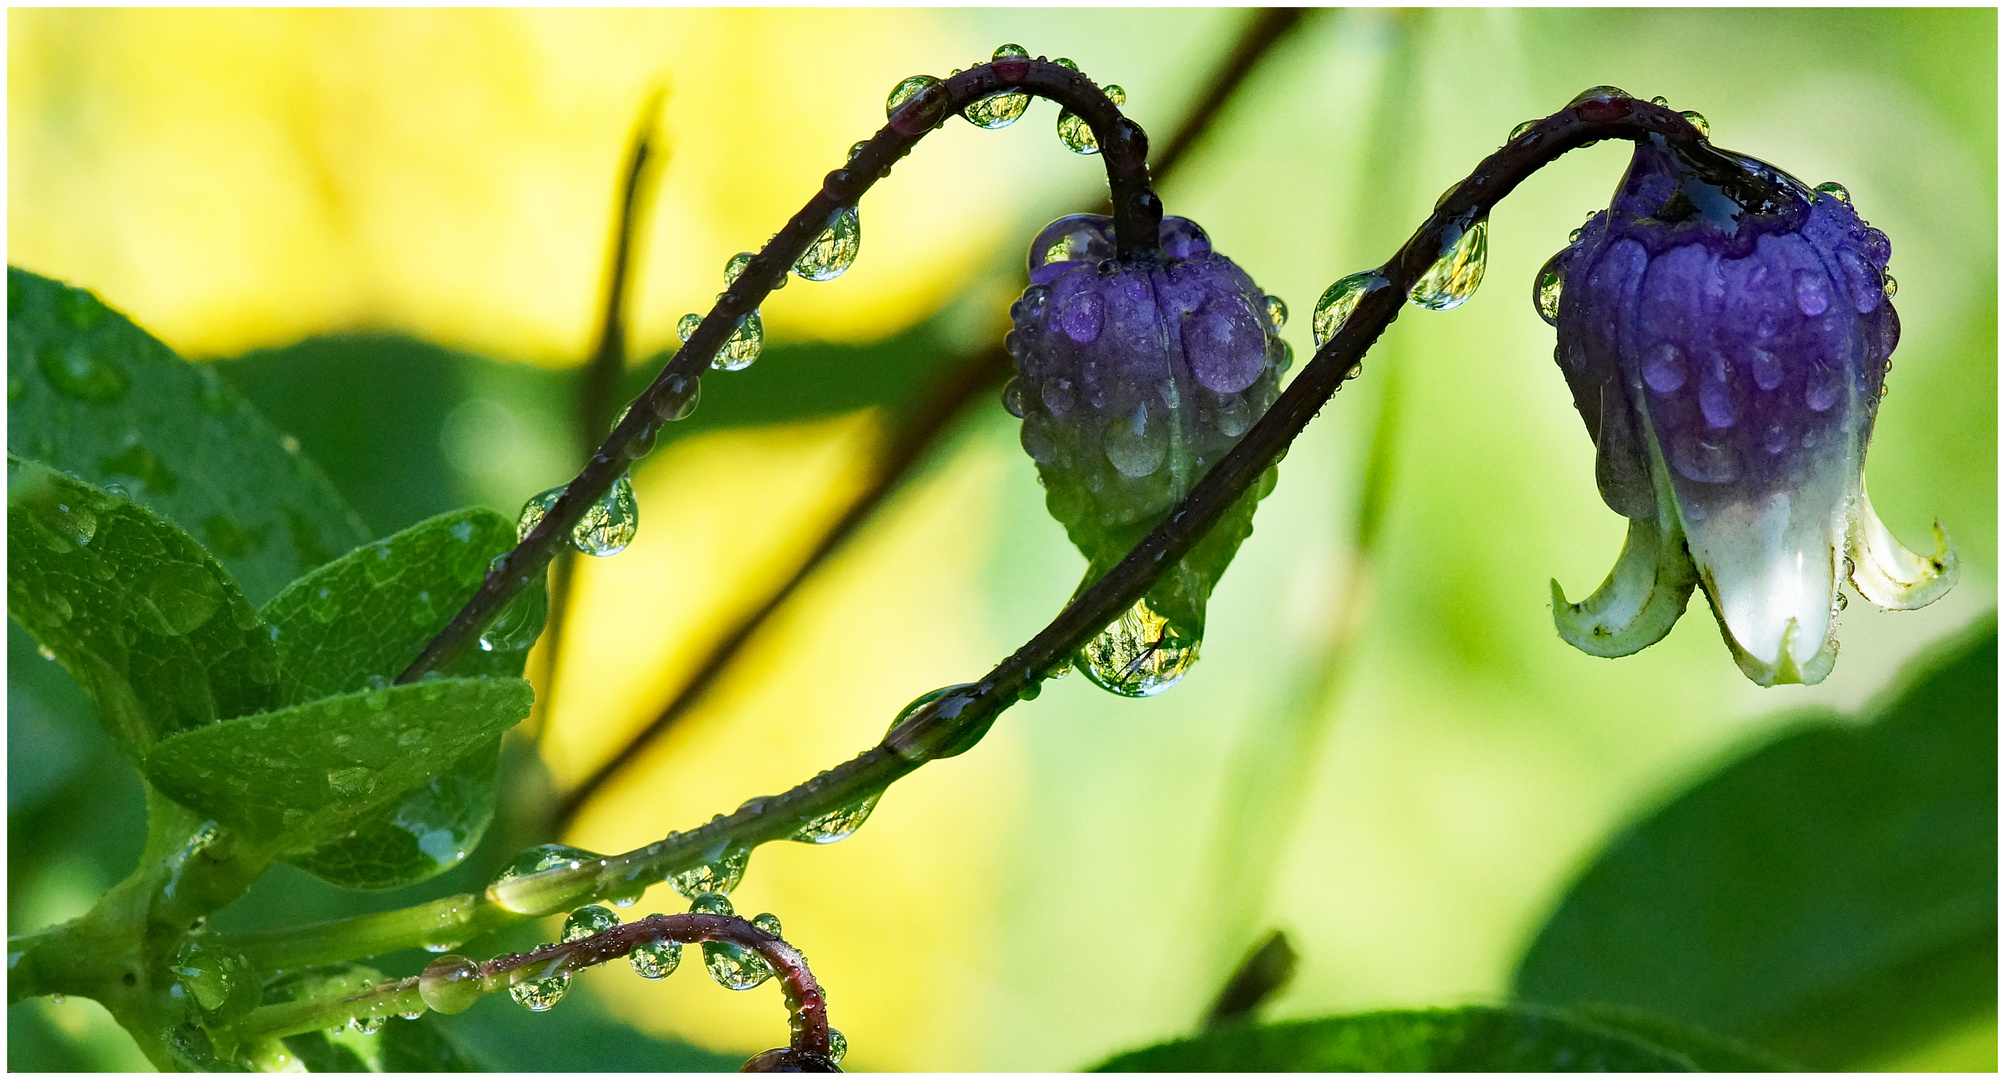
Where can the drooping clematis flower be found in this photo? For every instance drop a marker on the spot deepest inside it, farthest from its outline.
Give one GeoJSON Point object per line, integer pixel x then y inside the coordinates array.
{"type": "Point", "coordinates": [1132, 381]}
{"type": "Point", "coordinates": [1726, 331]}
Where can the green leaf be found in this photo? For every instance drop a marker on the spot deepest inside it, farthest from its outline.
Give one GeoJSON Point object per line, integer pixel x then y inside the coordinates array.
{"type": "Point", "coordinates": [153, 629]}
{"type": "Point", "coordinates": [92, 394]}
{"type": "Point", "coordinates": [1475, 1039]}
{"type": "Point", "coordinates": [360, 620]}
{"type": "Point", "coordinates": [311, 772]}
{"type": "Point", "coordinates": [1831, 897]}
{"type": "Point", "coordinates": [421, 1045]}
{"type": "Point", "coordinates": [356, 623]}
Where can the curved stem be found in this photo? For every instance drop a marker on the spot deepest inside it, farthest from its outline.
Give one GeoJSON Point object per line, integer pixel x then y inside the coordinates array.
{"type": "Point", "coordinates": [969, 375]}
{"type": "Point", "coordinates": [1137, 219]}
{"type": "Point", "coordinates": [807, 1006]}
{"type": "Point", "coordinates": [954, 721]}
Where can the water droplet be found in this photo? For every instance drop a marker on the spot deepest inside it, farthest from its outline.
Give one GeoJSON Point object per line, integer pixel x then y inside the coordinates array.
{"type": "Point", "coordinates": [907, 89]}
{"type": "Point", "coordinates": [1777, 440]}
{"type": "Point", "coordinates": [1812, 295]}
{"type": "Point", "coordinates": [1598, 93]}
{"type": "Point", "coordinates": [609, 526]}
{"type": "Point", "coordinates": [1000, 110]}
{"type": "Point", "coordinates": [47, 653]}
{"type": "Point", "coordinates": [834, 250]}
{"type": "Point", "coordinates": [1337, 303]}
{"type": "Point", "coordinates": [1836, 190]}
{"type": "Point", "coordinates": [734, 268]}
{"type": "Point", "coordinates": [352, 781]}
{"type": "Point", "coordinates": [837, 824]}
{"type": "Point", "coordinates": [655, 959]}
{"type": "Point", "coordinates": [541, 995]}
{"type": "Point", "coordinates": [365, 1025]}
{"type": "Point", "coordinates": [536, 509]}
{"type": "Point", "coordinates": [1696, 120]}
{"type": "Point", "coordinates": [734, 967]}
{"type": "Point", "coordinates": [587, 921]}
{"type": "Point", "coordinates": [519, 620]}
{"type": "Point", "coordinates": [1823, 389]}
{"type": "Point", "coordinates": [1765, 367]}
{"type": "Point", "coordinates": [1452, 280]}
{"type": "Point", "coordinates": [1140, 655]}
{"type": "Point", "coordinates": [1546, 289]}
{"type": "Point", "coordinates": [743, 346]}
{"type": "Point", "coordinates": [74, 370]}
{"type": "Point", "coordinates": [1135, 446]}
{"type": "Point", "coordinates": [686, 326]}
{"type": "Point", "coordinates": [544, 857]}
{"type": "Point", "coordinates": [1277, 312]}
{"type": "Point", "coordinates": [1519, 131]}
{"type": "Point", "coordinates": [679, 398]}
{"type": "Point", "coordinates": [1889, 287]}
{"type": "Point", "coordinates": [1015, 398]}
{"type": "Point", "coordinates": [1076, 134]}
{"type": "Point", "coordinates": [1083, 317]}
{"type": "Point", "coordinates": [718, 874]}
{"type": "Point", "coordinates": [1664, 368]}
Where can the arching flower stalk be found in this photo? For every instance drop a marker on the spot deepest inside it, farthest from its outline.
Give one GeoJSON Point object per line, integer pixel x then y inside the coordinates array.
{"type": "Point", "coordinates": [1726, 331]}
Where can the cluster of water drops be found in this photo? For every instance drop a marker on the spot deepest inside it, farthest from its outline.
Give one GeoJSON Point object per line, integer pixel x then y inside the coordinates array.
{"type": "Point", "coordinates": [1005, 107]}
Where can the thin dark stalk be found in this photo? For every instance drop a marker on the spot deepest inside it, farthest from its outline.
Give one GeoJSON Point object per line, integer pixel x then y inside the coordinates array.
{"type": "Point", "coordinates": [957, 719]}
{"type": "Point", "coordinates": [1137, 217]}
{"type": "Point", "coordinates": [968, 376]}
{"type": "Point", "coordinates": [600, 376]}
{"type": "Point", "coordinates": [807, 1006]}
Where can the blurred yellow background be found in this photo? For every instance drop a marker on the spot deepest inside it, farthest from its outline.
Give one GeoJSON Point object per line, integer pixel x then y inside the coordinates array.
{"type": "Point", "coordinates": [1082, 881]}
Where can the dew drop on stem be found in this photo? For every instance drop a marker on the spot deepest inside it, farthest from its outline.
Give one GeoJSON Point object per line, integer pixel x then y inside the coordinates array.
{"type": "Point", "coordinates": [1453, 278]}
{"type": "Point", "coordinates": [835, 250]}
{"type": "Point", "coordinates": [1140, 655]}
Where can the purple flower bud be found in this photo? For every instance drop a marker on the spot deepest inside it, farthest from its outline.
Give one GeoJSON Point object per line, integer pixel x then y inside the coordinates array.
{"type": "Point", "coordinates": [1725, 331]}
{"type": "Point", "coordinates": [1132, 381]}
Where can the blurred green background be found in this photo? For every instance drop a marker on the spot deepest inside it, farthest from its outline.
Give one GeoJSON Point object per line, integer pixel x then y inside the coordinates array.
{"type": "Point", "coordinates": [391, 227]}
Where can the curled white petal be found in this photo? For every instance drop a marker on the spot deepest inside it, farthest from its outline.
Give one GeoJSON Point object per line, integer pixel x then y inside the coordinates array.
{"type": "Point", "coordinates": [1770, 568]}
{"type": "Point", "coordinates": [1886, 572]}
{"type": "Point", "coordinates": [1642, 598]}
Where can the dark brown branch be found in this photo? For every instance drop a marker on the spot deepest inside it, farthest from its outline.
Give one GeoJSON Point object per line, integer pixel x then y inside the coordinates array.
{"type": "Point", "coordinates": [1137, 217]}
{"type": "Point", "coordinates": [968, 377]}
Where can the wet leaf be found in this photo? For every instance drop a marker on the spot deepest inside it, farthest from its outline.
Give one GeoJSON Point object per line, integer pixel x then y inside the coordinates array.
{"type": "Point", "coordinates": [312, 772]}
{"type": "Point", "coordinates": [1476, 1039]}
{"type": "Point", "coordinates": [94, 395]}
{"type": "Point", "coordinates": [154, 630]}
{"type": "Point", "coordinates": [1830, 897]}
{"type": "Point", "coordinates": [422, 1045]}
{"type": "Point", "coordinates": [359, 621]}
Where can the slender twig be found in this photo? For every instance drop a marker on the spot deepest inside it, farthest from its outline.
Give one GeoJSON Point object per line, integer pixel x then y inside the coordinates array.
{"type": "Point", "coordinates": [955, 720]}
{"type": "Point", "coordinates": [967, 377]}
{"type": "Point", "coordinates": [600, 376]}
{"type": "Point", "coordinates": [1138, 213]}
{"type": "Point", "coordinates": [807, 1006]}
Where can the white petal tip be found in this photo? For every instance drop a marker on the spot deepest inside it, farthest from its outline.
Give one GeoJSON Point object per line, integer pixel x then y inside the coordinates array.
{"type": "Point", "coordinates": [1637, 605]}
{"type": "Point", "coordinates": [1790, 665]}
{"type": "Point", "coordinates": [1887, 573]}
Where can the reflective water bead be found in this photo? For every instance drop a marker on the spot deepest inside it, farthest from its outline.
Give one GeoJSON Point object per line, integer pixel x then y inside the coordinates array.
{"type": "Point", "coordinates": [1337, 303]}
{"type": "Point", "coordinates": [743, 346]}
{"type": "Point", "coordinates": [719, 875]}
{"type": "Point", "coordinates": [1140, 655]}
{"type": "Point", "coordinates": [1518, 132]}
{"type": "Point", "coordinates": [1545, 290]}
{"type": "Point", "coordinates": [1889, 286]}
{"type": "Point", "coordinates": [541, 995]}
{"type": "Point", "coordinates": [679, 398]}
{"type": "Point", "coordinates": [544, 857]}
{"type": "Point", "coordinates": [536, 509]}
{"type": "Point", "coordinates": [734, 269]}
{"type": "Point", "coordinates": [587, 921]}
{"type": "Point", "coordinates": [907, 89]}
{"type": "Point", "coordinates": [768, 922]}
{"type": "Point", "coordinates": [834, 250]}
{"type": "Point", "coordinates": [838, 1046]}
{"type": "Point", "coordinates": [519, 620]}
{"type": "Point", "coordinates": [1076, 133]}
{"type": "Point", "coordinates": [1452, 280]}
{"type": "Point", "coordinates": [1277, 312]}
{"type": "Point", "coordinates": [1836, 190]}
{"type": "Point", "coordinates": [712, 904]}
{"type": "Point", "coordinates": [1661, 100]}
{"type": "Point", "coordinates": [365, 1025]}
{"type": "Point", "coordinates": [656, 959]}
{"type": "Point", "coordinates": [1598, 93]}
{"type": "Point", "coordinates": [837, 824]}
{"type": "Point", "coordinates": [1696, 120]}
{"type": "Point", "coordinates": [450, 984]}
{"type": "Point", "coordinates": [734, 967]}
{"type": "Point", "coordinates": [685, 327]}
{"type": "Point", "coordinates": [609, 526]}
